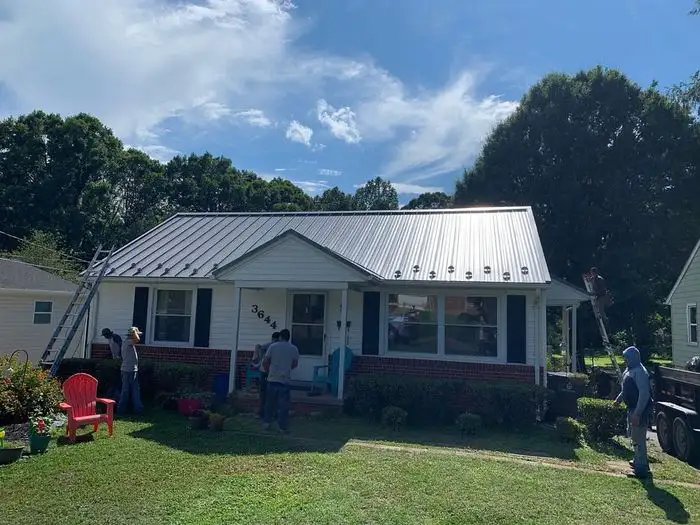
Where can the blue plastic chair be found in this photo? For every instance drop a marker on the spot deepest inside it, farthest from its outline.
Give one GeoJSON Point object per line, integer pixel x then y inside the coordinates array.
{"type": "Point", "coordinates": [251, 373]}
{"type": "Point", "coordinates": [326, 376]}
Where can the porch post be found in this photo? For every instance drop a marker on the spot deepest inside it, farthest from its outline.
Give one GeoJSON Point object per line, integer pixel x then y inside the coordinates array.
{"type": "Point", "coordinates": [566, 341]}
{"type": "Point", "coordinates": [574, 337]}
{"type": "Point", "coordinates": [543, 336]}
{"type": "Point", "coordinates": [343, 341]}
{"type": "Point", "coordinates": [234, 350]}
{"type": "Point", "coordinates": [537, 334]}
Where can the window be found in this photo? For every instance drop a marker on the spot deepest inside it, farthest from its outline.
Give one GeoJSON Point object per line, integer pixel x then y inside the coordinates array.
{"type": "Point", "coordinates": [471, 326]}
{"type": "Point", "coordinates": [173, 316]}
{"type": "Point", "coordinates": [692, 324]}
{"type": "Point", "coordinates": [308, 323]}
{"type": "Point", "coordinates": [42, 312]}
{"type": "Point", "coordinates": [413, 324]}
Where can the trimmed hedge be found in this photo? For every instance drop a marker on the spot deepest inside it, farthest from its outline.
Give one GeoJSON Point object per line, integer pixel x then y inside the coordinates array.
{"type": "Point", "coordinates": [603, 420]}
{"type": "Point", "coordinates": [154, 376]}
{"type": "Point", "coordinates": [439, 402]}
{"type": "Point", "coordinates": [569, 430]}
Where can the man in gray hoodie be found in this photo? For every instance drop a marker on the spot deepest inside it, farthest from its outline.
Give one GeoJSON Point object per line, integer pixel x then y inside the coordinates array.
{"type": "Point", "coordinates": [636, 393]}
{"type": "Point", "coordinates": [130, 373]}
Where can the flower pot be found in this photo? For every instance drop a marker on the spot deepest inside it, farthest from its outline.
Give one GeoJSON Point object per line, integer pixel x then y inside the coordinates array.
{"type": "Point", "coordinates": [186, 406]}
{"type": "Point", "coordinates": [38, 443]}
{"type": "Point", "coordinates": [10, 454]}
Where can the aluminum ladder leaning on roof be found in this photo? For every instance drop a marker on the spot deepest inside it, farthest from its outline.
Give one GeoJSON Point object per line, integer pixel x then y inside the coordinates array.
{"type": "Point", "coordinates": [77, 308]}
{"type": "Point", "coordinates": [588, 281]}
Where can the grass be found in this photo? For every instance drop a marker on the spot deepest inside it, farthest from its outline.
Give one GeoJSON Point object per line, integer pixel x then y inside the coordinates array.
{"type": "Point", "coordinates": [604, 361]}
{"type": "Point", "coordinates": [156, 471]}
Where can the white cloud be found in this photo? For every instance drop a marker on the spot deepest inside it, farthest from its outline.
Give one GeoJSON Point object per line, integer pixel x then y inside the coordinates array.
{"type": "Point", "coordinates": [255, 117]}
{"type": "Point", "coordinates": [312, 187]}
{"type": "Point", "coordinates": [414, 189]}
{"type": "Point", "coordinates": [330, 173]}
{"type": "Point", "coordinates": [340, 122]}
{"type": "Point", "coordinates": [297, 132]}
{"type": "Point", "coordinates": [158, 152]}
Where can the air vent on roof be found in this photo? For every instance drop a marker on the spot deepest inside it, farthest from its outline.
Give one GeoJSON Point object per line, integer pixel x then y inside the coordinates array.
{"type": "Point", "coordinates": [450, 269]}
{"type": "Point", "coordinates": [216, 265]}
{"type": "Point", "coordinates": [194, 271]}
{"type": "Point", "coordinates": [133, 265]}
{"type": "Point", "coordinates": [138, 270]}
{"type": "Point", "coordinates": [159, 266]}
{"type": "Point", "coordinates": [165, 271]}
{"type": "Point", "coordinates": [468, 275]}
{"type": "Point", "coordinates": [525, 270]}
{"type": "Point", "coordinates": [487, 269]}
{"type": "Point", "coordinates": [397, 274]}
{"type": "Point", "coordinates": [416, 269]}
{"type": "Point", "coordinates": [432, 274]}
{"type": "Point", "coordinates": [506, 276]}
{"type": "Point", "coordinates": [187, 265]}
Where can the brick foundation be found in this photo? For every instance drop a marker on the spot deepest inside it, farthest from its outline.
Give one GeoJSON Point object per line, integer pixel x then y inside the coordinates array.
{"type": "Point", "coordinates": [219, 359]}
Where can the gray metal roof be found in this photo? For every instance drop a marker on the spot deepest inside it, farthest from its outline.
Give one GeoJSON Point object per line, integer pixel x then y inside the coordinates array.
{"type": "Point", "coordinates": [482, 245]}
{"type": "Point", "coordinates": [17, 275]}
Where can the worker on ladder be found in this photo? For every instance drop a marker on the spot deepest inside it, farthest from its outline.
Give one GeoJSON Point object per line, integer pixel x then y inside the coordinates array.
{"type": "Point", "coordinates": [600, 292]}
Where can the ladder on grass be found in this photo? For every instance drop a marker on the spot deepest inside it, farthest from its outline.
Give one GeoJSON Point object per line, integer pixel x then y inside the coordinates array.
{"type": "Point", "coordinates": [77, 308]}
{"type": "Point", "coordinates": [588, 281]}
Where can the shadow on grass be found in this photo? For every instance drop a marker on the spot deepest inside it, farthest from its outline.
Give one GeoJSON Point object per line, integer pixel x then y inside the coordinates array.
{"type": "Point", "coordinates": [617, 450]}
{"type": "Point", "coordinates": [670, 504]}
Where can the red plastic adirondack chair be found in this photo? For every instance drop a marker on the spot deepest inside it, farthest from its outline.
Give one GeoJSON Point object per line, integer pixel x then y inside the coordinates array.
{"type": "Point", "coordinates": [80, 391]}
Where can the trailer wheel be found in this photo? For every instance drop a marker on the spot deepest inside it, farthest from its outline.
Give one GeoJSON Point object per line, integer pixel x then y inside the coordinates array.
{"type": "Point", "coordinates": [683, 440]}
{"type": "Point", "coordinates": [664, 433]}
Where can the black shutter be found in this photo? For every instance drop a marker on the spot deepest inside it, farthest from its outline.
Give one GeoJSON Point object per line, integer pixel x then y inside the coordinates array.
{"type": "Point", "coordinates": [202, 320]}
{"type": "Point", "coordinates": [517, 329]}
{"type": "Point", "coordinates": [370, 323]}
{"type": "Point", "coordinates": [140, 317]}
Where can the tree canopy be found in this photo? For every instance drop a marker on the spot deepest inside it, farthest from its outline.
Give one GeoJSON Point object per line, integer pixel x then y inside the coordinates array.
{"type": "Point", "coordinates": [377, 194]}
{"type": "Point", "coordinates": [430, 201]}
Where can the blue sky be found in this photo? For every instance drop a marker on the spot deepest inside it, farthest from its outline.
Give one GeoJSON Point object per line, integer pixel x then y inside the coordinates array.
{"type": "Point", "coordinates": [324, 92]}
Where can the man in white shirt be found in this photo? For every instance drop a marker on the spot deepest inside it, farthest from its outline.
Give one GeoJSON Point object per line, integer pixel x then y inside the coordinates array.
{"type": "Point", "coordinates": [279, 361]}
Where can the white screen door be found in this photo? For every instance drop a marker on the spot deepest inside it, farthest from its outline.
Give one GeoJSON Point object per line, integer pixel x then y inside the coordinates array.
{"type": "Point", "coordinates": [308, 327]}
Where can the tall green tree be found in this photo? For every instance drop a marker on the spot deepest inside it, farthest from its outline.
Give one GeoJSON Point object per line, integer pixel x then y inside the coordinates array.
{"type": "Point", "coordinates": [430, 201]}
{"type": "Point", "coordinates": [611, 171]}
{"type": "Point", "coordinates": [46, 251]}
{"type": "Point", "coordinates": [333, 199]}
{"type": "Point", "coordinates": [376, 194]}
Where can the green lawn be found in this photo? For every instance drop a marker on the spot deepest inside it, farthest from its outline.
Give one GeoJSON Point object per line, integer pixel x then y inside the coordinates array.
{"type": "Point", "coordinates": [156, 471]}
{"type": "Point", "coordinates": [603, 361]}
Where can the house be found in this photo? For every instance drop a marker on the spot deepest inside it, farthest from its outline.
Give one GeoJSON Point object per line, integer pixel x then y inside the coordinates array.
{"type": "Point", "coordinates": [683, 300]}
{"type": "Point", "coordinates": [32, 302]}
{"type": "Point", "coordinates": [456, 293]}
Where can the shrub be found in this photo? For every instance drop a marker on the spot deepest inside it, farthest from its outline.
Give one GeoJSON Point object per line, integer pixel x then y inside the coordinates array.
{"type": "Point", "coordinates": [434, 401]}
{"type": "Point", "coordinates": [468, 423]}
{"type": "Point", "coordinates": [569, 430]}
{"type": "Point", "coordinates": [602, 419]}
{"type": "Point", "coordinates": [394, 417]}
{"type": "Point", "coordinates": [25, 390]}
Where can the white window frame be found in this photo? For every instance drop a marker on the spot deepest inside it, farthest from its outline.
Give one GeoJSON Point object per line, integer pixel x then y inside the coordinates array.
{"type": "Point", "coordinates": [49, 313]}
{"type": "Point", "coordinates": [688, 324]}
{"type": "Point", "coordinates": [501, 334]}
{"type": "Point", "coordinates": [153, 314]}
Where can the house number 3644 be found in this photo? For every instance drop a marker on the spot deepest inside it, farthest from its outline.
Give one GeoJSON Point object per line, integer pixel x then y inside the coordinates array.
{"type": "Point", "coordinates": [261, 315]}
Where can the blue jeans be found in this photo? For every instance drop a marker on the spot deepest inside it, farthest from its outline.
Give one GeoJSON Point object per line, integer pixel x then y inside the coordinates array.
{"type": "Point", "coordinates": [638, 433]}
{"type": "Point", "coordinates": [130, 391]}
{"type": "Point", "coordinates": [277, 400]}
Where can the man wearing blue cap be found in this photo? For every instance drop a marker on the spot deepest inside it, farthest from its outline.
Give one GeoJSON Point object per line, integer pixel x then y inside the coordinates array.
{"type": "Point", "coordinates": [636, 393]}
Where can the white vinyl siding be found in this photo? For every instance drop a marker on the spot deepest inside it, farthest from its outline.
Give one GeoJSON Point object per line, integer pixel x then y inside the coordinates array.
{"type": "Point", "coordinates": [687, 293]}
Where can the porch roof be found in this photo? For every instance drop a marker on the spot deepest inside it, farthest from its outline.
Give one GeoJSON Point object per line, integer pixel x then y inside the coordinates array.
{"type": "Point", "coordinates": [472, 245]}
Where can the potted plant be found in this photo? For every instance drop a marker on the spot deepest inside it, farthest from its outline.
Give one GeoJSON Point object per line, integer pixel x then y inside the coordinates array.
{"type": "Point", "coordinates": [39, 435]}
{"type": "Point", "coordinates": [216, 421]}
{"type": "Point", "coordinates": [199, 419]}
{"type": "Point", "coordinates": [9, 452]}
{"type": "Point", "coordinates": [188, 402]}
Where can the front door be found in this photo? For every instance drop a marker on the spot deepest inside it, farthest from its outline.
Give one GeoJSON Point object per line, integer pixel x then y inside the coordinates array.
{"type": "Point", "coordinates": [308, 326]}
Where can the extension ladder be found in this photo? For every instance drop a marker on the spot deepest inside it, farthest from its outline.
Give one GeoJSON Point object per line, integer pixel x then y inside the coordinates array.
{"type": "Point", "coordinates": [588, 281]}
{"type": "Point", "coordinates": [77, 308]}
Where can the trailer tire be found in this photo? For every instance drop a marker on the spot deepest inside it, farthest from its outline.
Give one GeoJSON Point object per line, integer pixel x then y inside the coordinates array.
{"type": "Point", "coordinates": [664, 433]}
{"type": "Point", "coordinates": [683, 440]}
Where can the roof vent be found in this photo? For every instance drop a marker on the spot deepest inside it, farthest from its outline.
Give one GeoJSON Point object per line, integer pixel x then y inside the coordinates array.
{"type": "Point", "coordinates": [525, 270]}
{"type": "Point", "coordinates": [397, 274]}
{"type": "Point", "coordinates": [432, 274]}
{"type": "Point", "coordinates": [468, 275]}
{"type": "Point", "coordinates": [133, 265]}
{"type": "Point", "coordinates": [216, 265]}
{"type": "Point", "coordinates": [165, 271]}
{"type": "Point", "coordinates": [187, 265]}
{"type": "Point", "coordinates": [194, 271]}
{"type": "Point", "coordinates": [450, 269]}
{"type": "Point", "coordinates": [416, 269]}
{"type": "Point", "coordinates": [159, 266]}
{"type": "Point", "coordinates": [506, 276]}
{"type": "Point", "coordinates": [487, 269]}
{"type": "Point", "coordinates": [138, 270]}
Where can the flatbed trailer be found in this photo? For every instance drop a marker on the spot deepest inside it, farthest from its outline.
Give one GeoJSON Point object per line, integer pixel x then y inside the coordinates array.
{"type": "Point", "coordinates": [677, 408]}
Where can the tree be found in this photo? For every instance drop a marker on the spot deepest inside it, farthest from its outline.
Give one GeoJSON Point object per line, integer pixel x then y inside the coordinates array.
{"type": "Point", "coordinates": [687, 94]}
{"type": "Point", "coordinates": [333, 199]}
{"type": "Point", "coordinates": [430, 201]}
{"type": "Point", "coordinates": [45, 250]}
{"type": "Point", "coordinates": [376, 194]}
{"type": "Point", "coordinates": [611, 172]}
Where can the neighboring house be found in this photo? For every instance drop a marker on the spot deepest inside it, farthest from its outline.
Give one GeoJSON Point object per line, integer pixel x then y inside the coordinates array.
{"type": "Point", "coordinates": [440, 293]}
{"type": "Point", "coordinates": [32, 302]}
{"type": "Point", "coordinates": [684, 300]}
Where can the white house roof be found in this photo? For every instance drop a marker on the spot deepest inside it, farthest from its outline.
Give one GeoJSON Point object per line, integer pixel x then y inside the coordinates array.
{"type": "Point", "coordinates": [18, 275]}
{"type": "Point", "coordinates": [484, 245]}
{"type": "Point", "coordinates": [683, 272]}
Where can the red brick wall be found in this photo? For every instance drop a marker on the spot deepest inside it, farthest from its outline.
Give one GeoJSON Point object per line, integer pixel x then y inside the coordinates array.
{"type": "Point", "coordinates": [441, 369]}
{"type": "Point", "coordinates": [219, 359]}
